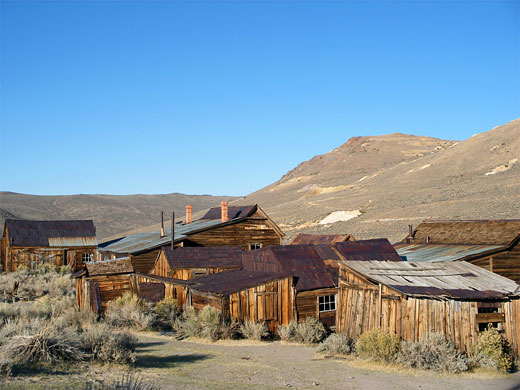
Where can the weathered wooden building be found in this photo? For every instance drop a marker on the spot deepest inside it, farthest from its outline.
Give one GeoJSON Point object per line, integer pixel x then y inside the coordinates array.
{"type": "Point", "coordinates": [190, 262]}
{"type": "Point", "coordinates": [35, 243]}
{"type": "Point", "coordinates": [491, 244]}
{"type": "Point", "coordinates": [411, 299]}
{"type": "Point", "coordinates": [314, 239]}
{"type": "Point", "coordinates": [103, 281]}
{"type": "Point", "coordinates": [315, 269]}
{"type": "Point", "coordinates": [248, 227]}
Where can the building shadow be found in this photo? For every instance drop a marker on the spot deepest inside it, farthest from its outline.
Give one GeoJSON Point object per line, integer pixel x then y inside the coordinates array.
{"type": "Point", "coordinates": [153, 361]}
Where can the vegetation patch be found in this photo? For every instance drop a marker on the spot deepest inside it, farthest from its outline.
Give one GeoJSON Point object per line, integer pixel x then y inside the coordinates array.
{"type": "Point", "coordinates": [492, 351]}
{"type": "Point", "coordinates": [337, 344]}
{"type": "Point", "coordinates": [378, 345]}
{"type": "Point", "coordinates": [310, 331]}
{"type": "Point", "coordinates": [254, 330]}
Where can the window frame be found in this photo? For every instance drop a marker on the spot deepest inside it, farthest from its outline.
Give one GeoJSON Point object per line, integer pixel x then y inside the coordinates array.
{"type": "Point", "coordinates": [327, 302]}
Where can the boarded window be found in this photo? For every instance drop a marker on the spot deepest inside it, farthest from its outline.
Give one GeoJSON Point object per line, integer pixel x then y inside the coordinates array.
{"type": "Point", "coordinates": [488, 314]}
{"type": "Point", "coordinates": [327, 303]}
{"type": "Point", "coordinates": [266, 306]}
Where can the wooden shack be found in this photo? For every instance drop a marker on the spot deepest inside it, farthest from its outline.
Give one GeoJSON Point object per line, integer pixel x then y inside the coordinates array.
{"type": "Point", "coordinates": [101, 282]}
{"type": "Point", "coordinates": [315, 239]}
{"type": "Point", "coordinates": [35, 243]}
{"type": "Point", "coordinates": [246, 295]}
{"type": "Point", "coordinates": [411, 299]}
{"type": "Point", "coordinates": [315, 269]}
{"type": "Point", "coordinates": [190, 262]}
{"type": "Point", "coordinates": [248, 227]}
{"type": "Point", "coordinates": [491, 244]}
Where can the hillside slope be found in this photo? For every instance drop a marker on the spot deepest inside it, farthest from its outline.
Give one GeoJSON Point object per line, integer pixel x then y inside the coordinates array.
{"type": "Point", "coordinates": [394, 180]}
{"type": "Point", "coordinates": [112, 214]}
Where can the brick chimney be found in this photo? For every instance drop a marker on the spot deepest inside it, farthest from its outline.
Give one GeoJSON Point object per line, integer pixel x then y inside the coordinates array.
{"type": "Point", "coordinates": [223, 211]}
{"type": "Point", "coordinates": [188, 213]}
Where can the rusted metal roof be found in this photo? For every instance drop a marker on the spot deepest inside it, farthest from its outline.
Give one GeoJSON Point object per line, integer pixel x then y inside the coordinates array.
{"type": "Point", "coordinates": [301, 261]}
{"type": "Point", "coordinates": [459, 280]}
{"type": "Point", "coordinates": [377, 249]}
{"type": "Point", "coordinates": [444, 252]}
{"type": "Point", "coordinates": [479, 232]}
{"type": "Point", "coordinates": [73, 233]}
{"type": "Point", "coordinates": [142, 242]}
{"type": "Point", "coordinates": [234, 212]}
{"type": "Point", "coordinates": [110, 267]}
{"type": "Point", "coordinates": [203, 257]}
{"type": "Point", "coordinates": [320, 238]}
{"type": "Point", "coordinates": [229, 282]}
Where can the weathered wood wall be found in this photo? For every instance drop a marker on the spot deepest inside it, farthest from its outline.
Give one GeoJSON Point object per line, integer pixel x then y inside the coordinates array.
{"type": "Point", "coordinates": [171, 290]}
{"type": "Point", "coordinates": [255, 230]}
{"type": "Point", "coordinates": [107, 287]}
{"type": "Point", "coordinates": [506, 264]}
{"type": "Point", "coordinates": [35, 257]}
{"type": "Point", "coordinates": [307, 306]}
{"type": "Point", "coordinates": [144, 262]}
{"type": "Point", "coordinates": [360, 309]}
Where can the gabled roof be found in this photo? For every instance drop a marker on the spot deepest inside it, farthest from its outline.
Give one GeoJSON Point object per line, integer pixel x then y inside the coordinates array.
{"type": "Point", "coordinates": [480, 232]}
{"type": "Point", "coordinates": [376, 249]}
{"type": "Point", "coordinates": [109, 267]}
{"type": "Point", "coordinates": [234, 212]}
{"type": "Point", "coordinates": [460, 280]}
{"type": "Point", "coordinates": [301, 261]}
{"type": "Point", "coordinates": [203, 257]}
{"type": "Point", "coordinates": [142, 242]}
{"type": "Point", "coordinates": [73, 233]}
{"type": "Point", "coordinates": [302, 238]}
{"type": "Point", "coordinates": [445, 252]}
{"type": "Point", "coordinates": [233, 281]}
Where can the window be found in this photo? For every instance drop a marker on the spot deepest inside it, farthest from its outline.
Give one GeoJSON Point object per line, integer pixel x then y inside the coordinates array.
{"type": "Point", "coordinates": [255, 246]}
{"type": "Point", "coordinates": [86, 257]}
{"type": "Point", "coordinates": [489, 315]}
{"type": "Point", "coordinates": [327, 303]}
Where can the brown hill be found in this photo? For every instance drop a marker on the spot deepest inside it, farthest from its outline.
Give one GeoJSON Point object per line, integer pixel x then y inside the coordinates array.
{"type": "Point", "coordinates": [394, 180]}
{"type": "Point", "coordinates": [112, 214]}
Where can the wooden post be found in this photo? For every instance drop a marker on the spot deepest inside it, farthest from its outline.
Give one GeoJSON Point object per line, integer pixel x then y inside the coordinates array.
{"type": "Point", "coordinates": [379, 305]}
{"type": "Point", "coordinates": [173, 229]}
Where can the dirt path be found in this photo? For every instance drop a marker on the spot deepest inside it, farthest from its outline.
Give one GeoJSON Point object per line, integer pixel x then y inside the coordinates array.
{"type": "Point", "coordinates": [226, 365]}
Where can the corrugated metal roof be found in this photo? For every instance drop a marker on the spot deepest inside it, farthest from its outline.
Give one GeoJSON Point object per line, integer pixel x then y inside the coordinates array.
{"type": "Point", "coordinates": [204, 257]}
{"type": "Point", "coordinates": [442, 279]}
{"type": "Point", "coordinates": [480, 232]}
{"type": "Point", "coordinates": [376, 249]}
{"type": "Point", "coordinates": [320, 238]}
{"type": "Point", "coordinates": [43, 233]}
{"type": "Point", "coordinates": [442, 252]}
{"type": "Point", "coordinates": [234, 212]}
{"type": "Point", "coordinates": [233, 281]}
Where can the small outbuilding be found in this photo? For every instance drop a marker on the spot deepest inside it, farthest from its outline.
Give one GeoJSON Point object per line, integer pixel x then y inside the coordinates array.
{"type": "Point", "coordinates": [411, 299]}
{"type": "Point", "coordinates": [36, 243]}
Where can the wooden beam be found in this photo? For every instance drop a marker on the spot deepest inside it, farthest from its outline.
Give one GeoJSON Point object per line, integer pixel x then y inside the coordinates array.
{"type": "Point", "coordinates": [485, 318]}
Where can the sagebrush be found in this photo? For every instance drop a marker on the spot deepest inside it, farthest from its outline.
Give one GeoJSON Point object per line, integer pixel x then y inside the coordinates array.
{"type": "Point", "coordinates": [378, 345]}
{"type": "Point", "coordinates": [337, 344]}
{"type": "Point", "coordinates": [492, 351]}
{"type": "Point", "coordinates": [254, 330]}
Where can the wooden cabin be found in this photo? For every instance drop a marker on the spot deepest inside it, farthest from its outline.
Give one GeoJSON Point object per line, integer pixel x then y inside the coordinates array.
{"type": "Point", "coordinates": [315, 239]}
{"type": "Point", "coordinates": [190, 262]}
{"type": "Point", "coordinates": [491, 244]}
{"type": "Point", "coordinates": [315, 269]}
{"type": "Point", "coordinates": [101, 282]}
{"type": "Point", "coordinates": [162, 287]}
{"type": "Point", "coordinates": [248, 227]}
{"type": "Point", "coordinates": [411, 299]}
{"type": "Point", "coordinates": [35, 243]}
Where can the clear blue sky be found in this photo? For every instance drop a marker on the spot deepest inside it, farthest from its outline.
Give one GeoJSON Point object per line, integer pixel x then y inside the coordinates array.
{"type": "Point", "coordinates": [226, 97]}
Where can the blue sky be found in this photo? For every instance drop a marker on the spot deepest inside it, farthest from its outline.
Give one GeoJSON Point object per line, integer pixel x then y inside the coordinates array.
{"type": "Point", "coordinates": [226, 97]}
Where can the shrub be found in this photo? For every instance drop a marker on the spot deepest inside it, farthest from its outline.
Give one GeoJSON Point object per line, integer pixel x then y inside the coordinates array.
{"type": "Point", "coordinates": [337, 344]}
{"type": "Point", "coordinates": [103, 344]}
{"type": "Point", "coordinates": [492, 351]}
{"type": "Point", "coordinates": [254, 330]}
{"type": "Point", "coordinates": [165, 312]}
{"type": "Point", "coordinates": [128, 311]}
{"type": "Point", "coordinates": [206, 323]}
{"type": "Point", "coordinates": [432, 352]}
{"type": "Point", "coordinates": [188, 324]}
{"type": "Point", "coordinates": [288, 332]}
{"type": "Point", "coordinates": [378, 345]}
{"type": "Point", "coordinates": [310, 331]}
{"type": "Point", "coordinates": [126, 382]}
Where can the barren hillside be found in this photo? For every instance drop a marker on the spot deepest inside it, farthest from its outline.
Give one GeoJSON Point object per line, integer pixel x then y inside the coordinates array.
{"type": "Point", "coordinates": [384, 183]}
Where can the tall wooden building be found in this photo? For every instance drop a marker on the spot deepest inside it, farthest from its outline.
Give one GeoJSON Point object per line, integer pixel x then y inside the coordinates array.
{"type": "Point", "coordinates": [248, 227]}
{"type": "Point", "coordinates": [491, 244]}
{"type": "Point", "coordinates": [35, 243]}
{"type": "Point", "coordinates": [411, 299]}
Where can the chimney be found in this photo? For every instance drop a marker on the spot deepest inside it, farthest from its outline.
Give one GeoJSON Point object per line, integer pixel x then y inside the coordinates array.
{"type": "Point", "coordinates": [410, 233]}
{"type": "Point", "coordinates": [173, 229]}
{"type": "Point", "coordinates": [162, 224]}
{"type": "Point", "coordinates": [223, 211]}
{"type": "Point", "coordinates": [188, 213]}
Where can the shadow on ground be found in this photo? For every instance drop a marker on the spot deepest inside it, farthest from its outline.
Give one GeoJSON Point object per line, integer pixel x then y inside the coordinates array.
{"type": "Point", "coordinates": [147, 345]}
{"type": "Point", "coordinates": [152, 361]}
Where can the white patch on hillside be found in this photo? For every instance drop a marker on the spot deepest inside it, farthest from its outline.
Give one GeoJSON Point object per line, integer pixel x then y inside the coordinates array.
{"type": "Point", "coordinates": [340, 216]}
{"type": "Point", "coordinates": [368, 177]}
{"type": "Point", "coordinates": [503, 167]}
{"type": "Point", "coordinates": [425, 166]}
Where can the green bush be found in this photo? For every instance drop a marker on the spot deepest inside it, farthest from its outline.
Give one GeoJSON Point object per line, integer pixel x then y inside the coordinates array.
{"type": "Point", "coordinates": [378, 345]}
{"type": "Point", "coordinates": [336, 344]}
{"type": "Point", "coordinates": [432, 352]}
{"type": "Point", "coordinates": [492, 351]}
{"type": "Point", "coordinates": [254, 330]}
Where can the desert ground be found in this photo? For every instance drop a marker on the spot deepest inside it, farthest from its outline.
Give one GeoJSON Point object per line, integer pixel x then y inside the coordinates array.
{"type": "Point", "coordinates": [243, 364]}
